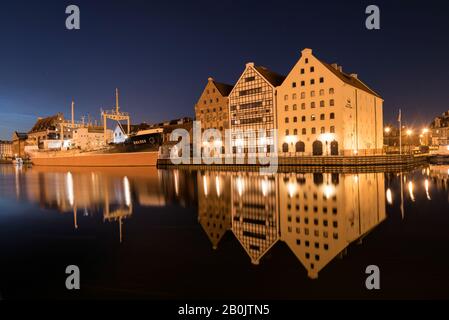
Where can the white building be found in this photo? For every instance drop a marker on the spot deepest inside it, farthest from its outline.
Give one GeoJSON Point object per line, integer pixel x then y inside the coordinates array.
{"type": "Point", "coordinates": [90, 138]}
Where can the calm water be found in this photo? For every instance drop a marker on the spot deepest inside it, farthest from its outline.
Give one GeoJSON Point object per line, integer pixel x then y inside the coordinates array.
{"type": "Point", "coordinates": [147, 233]}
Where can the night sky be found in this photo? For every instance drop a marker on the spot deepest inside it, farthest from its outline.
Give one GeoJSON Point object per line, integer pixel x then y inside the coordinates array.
{"type": "Point", "coordinates": [160, 54]}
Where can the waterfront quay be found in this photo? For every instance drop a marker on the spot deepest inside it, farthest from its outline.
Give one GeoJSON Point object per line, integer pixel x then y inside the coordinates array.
{"type": "Point", "coordinates": [384, 162]}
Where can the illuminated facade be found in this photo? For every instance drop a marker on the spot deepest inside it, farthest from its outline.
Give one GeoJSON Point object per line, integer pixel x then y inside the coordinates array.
{"type": "Point", "coordinates": [252, 106]}
{"type": "Point", "coordinates": [321, 214]}
{"type": "Point", "coordinates": [255, 213]}
{"type": "Point", "coordinates": [324, 111]}
{"type": "Point", "coordinates": [212, 107]}
{"type": "Point", "coordinates": [5, 149]}
{"type": "Point", "coordinates": [214, 204]}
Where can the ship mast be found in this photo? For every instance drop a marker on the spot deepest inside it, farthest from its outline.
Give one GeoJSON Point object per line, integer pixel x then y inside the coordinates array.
{"type": "Point", "coordinates": [115, 115]}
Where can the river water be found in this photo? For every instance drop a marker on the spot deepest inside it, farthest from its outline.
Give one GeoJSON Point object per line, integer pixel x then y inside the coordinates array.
{"type": "Point", "coordinates": [171, 234]}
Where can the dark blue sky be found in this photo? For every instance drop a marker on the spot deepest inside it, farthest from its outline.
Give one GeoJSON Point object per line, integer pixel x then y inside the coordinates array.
{"type": "Point", "coordinates": [160, 53]}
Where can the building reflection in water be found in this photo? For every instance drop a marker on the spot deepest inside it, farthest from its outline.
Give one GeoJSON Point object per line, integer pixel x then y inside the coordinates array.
{"type": "Point", "coordinates": [108, 191]}
{"type": "Point", "coordinates": [316, 214]}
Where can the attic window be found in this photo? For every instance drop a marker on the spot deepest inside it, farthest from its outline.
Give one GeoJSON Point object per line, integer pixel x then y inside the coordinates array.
{"type": "Point", "coordinates": [307, 60]}
{"type": "Point", "coordinates": [249, 79]}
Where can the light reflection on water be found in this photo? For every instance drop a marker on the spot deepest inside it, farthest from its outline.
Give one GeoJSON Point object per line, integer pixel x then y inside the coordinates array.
{"type": "Point", "coordinates": [316, 215]}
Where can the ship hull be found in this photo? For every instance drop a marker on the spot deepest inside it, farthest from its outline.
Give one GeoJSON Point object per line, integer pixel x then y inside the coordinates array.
{"type": "Point", "coordinates": [129, 159]}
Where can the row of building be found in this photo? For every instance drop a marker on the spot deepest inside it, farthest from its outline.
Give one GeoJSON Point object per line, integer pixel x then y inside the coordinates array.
{"type": "Point", "coordinates": [317, 109]}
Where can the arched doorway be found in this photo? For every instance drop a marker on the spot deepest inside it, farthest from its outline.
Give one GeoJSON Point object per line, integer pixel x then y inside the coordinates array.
{"type": "Point", "coordinates": [285, 147]}
{"type": "Point", "coordinates": [300, 146]}
{"type": "Point", "coordinates": [317, 148]}
{"type": "Point", "coordinates": [334, 148]}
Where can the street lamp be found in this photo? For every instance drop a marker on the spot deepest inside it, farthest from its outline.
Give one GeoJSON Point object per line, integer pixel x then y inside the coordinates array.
{"type": "Point", "coordinates": [409, 133]}
{"type": "Point", "coordinates": [387, 129]}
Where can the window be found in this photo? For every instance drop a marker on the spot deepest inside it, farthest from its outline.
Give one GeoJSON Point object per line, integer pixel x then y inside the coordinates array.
{"type": "Point", "coordinates": [303, 95]}
{"type": "Point", "coordinates": [205, 101]}
{"type": "Point", "coordinates": [294, 107]}
{"type": "Point", "coordinates": [312, 117]}
{"type": "Point", "coordinates": [332, 115]}
{"type": "Point", "coordinates": [303, 106]}
{"type": "Point", "coordinates": [213, 90]}
{"type": "Point", "coordinates": [303, 131]}
{"type": "Point", "coordinates": [249, 79]}
{"type": "Point", "coordinates": [295, 119]}
{"type": "Point", "coordinates": [332, 129]}
{"type": "Point", "coordinates": [322, 130]}
{"type": "Point", "coordinates": [303, 83]}
{"type": "Point", "coordinates": [322, 116]}
{"type": "Point", "coordinates": [331, 91]}
{"type": "Point", "coordinates": [303, 118]}
{"type": "Point", "coordinates": [286, 97]}
{"type": "Point", "coordinates": [321, 79]}
{"type": "Point", "coordinates": [286, 119]}
{"type": "Point", "coordinates": [302, 70]}
{"type": "Point", "coordinates": [312, 81]}
{"type": "Point", "coordinates": [286, 108]}
{"type": "Point", "coordinates": [207, 91]}
{"type": "Point", "coordinates": [322, 92]}
{"type": "Point", "coordinates": [322, 103]}
{"type": "Point", "coordinates": [294, 96]}
{"type": "Point", "coordinates": [312, 105]}
{"type": "Point", "coordinates": [293, 84]}
{"type": "Point", "coordinates": [312, 69]}
{"type": "Point", "coordinates": [313, 130]}
{"type": "Point", "coordinates": [307, 60]}
{"type": "Point", "coordinates": [295, 132]}
{"type": "Point", "coordinates": [287, 132]}
{"type": "Point", "coordinates": [312, 93]}
{"type": "Point", "coordinates": [331, 102]}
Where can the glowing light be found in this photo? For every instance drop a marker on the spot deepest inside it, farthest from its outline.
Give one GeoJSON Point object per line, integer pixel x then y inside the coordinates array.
{"type": "Point", "coordinates": [206, 191]}
{"type": "Point", "coordinates": [327, 137]}
{"type": "Point", "coordinates": [355, 151]}
{"type": "Point", "coordinates": [356, 179]}
{"type": "Point", "coordinates": [389, 196]}
{"type": "Point", "coordinates": [217, 185]}
{"type": "Point", "coordinates": [329, 191]}
{"type": "Point", "coordinates": [217, 143]}
{"type": "Point", "coordinates": [290, 139]}
{"type": "Point", "coordinates": [176, 176]}
{"type": "Point", "coordinates": [387, 129]}
{"type": "Point", "coordinates": [410, 190]}
{"type": "Point", "coordinates": [70, 193]}
{"type": "Point", "coordinates": [239, 142]}
{"type": "Point", "coordinates": [425, 130]}
{"type": "Point", "coordinates": [426, 186]}
{"type": "Point", "coordinates": [264, 186]}
{"type": "Point", "coordinates": [240, 186]}
{"type": "Point", "coordinates": [127, 190]}
{"type": "Point", "coordinates": [291, 189]}
{"type": "Point", "coordinates": [409, 132]}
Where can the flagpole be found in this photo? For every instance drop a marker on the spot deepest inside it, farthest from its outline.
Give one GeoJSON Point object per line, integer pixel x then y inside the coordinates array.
{"type": "Point", "coordinates": [400, 132]}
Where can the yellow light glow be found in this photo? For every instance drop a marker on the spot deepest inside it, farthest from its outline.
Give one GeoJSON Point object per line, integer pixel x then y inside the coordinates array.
{"type": "Point", "coordinates": [206, 191]}
{"type": "Point", "coordinates": [329, 191]}
{"type": "Point", "coordinates": [127, 190]}
{"type": "Point", "coordinates": [426, 186]}
{"type": "Point", "coordinates": [217, 185]}
{"type": "Point", "coordinates": [425, 130]}
{"type": "Point", "coordinates": [387, 130]}
{"type": "Point", "coordinates": [410, 190]}
{"type": "Point", "coordinates": [291, 189]}
{"type": "Point", "coordinates": [409, 132]}
{"type": "Point", "coordinates": [264, 187]}
{"type": "Point", "coordinates": [240, 186]}
{"type": "Point", "coordinates": [389, 196]}
{"type": "Point", "coordinates": [70, 192]}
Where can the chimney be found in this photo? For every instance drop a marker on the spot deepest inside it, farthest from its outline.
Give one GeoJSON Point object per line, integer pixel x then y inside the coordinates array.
{"type": "Point", "coordinates": [335, 66]}
{"type": "Point", "coordinates": [306, 52]}
{"type": "Point", "coordinates": [210, 79]}
{"type": "Point", "coordinates": [250, 64]}
{"type": "Point", "coordinates": [354, 75]}
{"type": "Point", "coordinates": [340, 68]}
